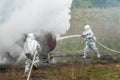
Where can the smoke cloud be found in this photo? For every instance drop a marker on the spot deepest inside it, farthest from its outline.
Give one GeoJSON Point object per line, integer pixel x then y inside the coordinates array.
{"type": "Point", "coordinates": [34, 16]}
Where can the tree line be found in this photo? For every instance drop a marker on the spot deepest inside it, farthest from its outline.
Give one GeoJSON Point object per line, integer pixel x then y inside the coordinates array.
{"type": "Point", "coordinates": [95, 3]}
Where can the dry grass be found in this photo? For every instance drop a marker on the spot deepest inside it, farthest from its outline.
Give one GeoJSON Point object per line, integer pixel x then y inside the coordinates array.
{"type": "Point", "coordinates": [76, 69]}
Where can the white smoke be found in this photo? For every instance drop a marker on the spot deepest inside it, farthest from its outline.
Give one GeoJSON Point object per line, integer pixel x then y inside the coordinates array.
{"type": "Point", "coordinates": [34, 16]}
{"type": "Point", "coordinates": [2, 3]}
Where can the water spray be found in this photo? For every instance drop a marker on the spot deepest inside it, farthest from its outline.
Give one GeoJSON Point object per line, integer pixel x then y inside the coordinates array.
{"type": "Point", "coordinates": [71, 36]}
{"type": "Point", "coordinates": [65, 37]}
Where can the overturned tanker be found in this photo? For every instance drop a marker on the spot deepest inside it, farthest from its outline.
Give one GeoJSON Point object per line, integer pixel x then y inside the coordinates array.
{"type": "Point", "coordinates": [47, 41]}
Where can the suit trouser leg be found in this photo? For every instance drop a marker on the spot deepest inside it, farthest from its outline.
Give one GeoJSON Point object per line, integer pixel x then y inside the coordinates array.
{"type": "Point", "coordinates": [86, 50]}
{"type": "Point", "coordinates": [28, 63]}
{"type": "Point", "coordinates": [94, 48]}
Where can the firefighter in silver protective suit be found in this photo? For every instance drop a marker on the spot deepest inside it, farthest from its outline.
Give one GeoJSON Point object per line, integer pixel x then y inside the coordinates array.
{"type": "Point", "coordinates": [90, 39]}
{"type": "Point", "coordinates": [31, 47]}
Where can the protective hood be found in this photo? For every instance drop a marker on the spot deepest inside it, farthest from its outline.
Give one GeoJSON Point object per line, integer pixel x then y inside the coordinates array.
{"type": "Point", "coordinates": [87, 27]}
{"type": "Point", "coordinates": [31, 36]}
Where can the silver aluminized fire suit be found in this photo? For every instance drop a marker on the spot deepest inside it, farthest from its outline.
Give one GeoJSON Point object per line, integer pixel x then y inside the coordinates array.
{"type": "Point", "coordinates": [30, 48]}
{"type": "Point", "coordinates": [90, 39]}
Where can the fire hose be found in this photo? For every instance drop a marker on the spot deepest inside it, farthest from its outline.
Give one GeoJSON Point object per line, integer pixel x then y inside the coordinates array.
{"type": "Point", "coordinates": [34, 56]}
{"type": "Point", "coordinates": [107, 47]}
{"type": "Point", "coordinates": [65, 37]}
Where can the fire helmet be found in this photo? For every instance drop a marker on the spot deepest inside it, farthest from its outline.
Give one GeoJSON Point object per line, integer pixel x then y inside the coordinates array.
{"type": "Point", "coordinates": [87, 27]}
{"type": "Point", "coordinates": [30, 35]}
